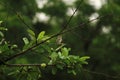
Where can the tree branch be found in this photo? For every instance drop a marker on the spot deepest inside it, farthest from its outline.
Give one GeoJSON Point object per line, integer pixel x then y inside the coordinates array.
{"type": "Point", "coordinates": [55, 35]}
{"type": "Point", "coordinates": [85, 70]}
{"type": "Point", "coordinates": [101, 74]}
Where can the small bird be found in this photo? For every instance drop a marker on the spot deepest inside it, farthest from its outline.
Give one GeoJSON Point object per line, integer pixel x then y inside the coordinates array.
{"type": "Point", "coordinates": [59, 40]}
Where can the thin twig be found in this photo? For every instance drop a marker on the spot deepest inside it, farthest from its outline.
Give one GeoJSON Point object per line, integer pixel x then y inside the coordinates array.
{"type": "Point", "coordinates": [69, 20]}
{"type": "Point", "coordinates": [102, 74]}
{"type": "Point", "coordinates": [82, 25]}
{"type": "Point", "coordinates": [21, 65]}
{"type": "Point", "coordinates": [17, 14]}
{"type": "Point", "coordinates": [23, 21]}
{"type": "Point", "coordinates": [26, 65]}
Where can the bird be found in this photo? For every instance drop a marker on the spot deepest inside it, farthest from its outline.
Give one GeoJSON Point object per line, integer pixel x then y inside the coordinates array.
{"type": "Point", "coordinates": [59, 40]}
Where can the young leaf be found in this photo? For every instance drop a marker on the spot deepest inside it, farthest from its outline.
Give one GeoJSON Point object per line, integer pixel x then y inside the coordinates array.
{"type": "Point", "coordinates": [60, 66]}
{"type": "Point", "coordinates": [31, 34]}
{"type": "Point", "coordinates": [13, 73]}
{"type": "Point", "coordinates": [59, 54]}
{"type": "Point", "coordinates": [84, 58]}
{"type": "Point", "coordinates": [26, 41]}
{"type": "Point", "coordinates": [28, 44]}
{"type": "Point", "coordinates": [1, 22]}
{"type": "Point", "coordinates": [3, 28]}
{"type": "Point", "coordinates": [72, 72]}
{"type": "Point", "coordinates": [14, 46]}
{"type": "Point", "coordinates": [65, 51]}
{"type": "Point", "coordinates": [1, 34]}
{"type": "Point", "coordinates": [54, 70]}
{"type": "Point", "coordinates": [40, 36]}
{"type": "Point", "coordinates": [54, 56]}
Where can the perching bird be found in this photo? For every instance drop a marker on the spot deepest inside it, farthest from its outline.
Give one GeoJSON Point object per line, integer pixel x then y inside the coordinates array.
{"type": "Point", "coordinates": [59, 40]}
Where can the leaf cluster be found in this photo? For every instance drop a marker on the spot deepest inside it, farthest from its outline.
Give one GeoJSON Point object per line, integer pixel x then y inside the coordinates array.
{"type": "Point", "coordinates": [58, 59]}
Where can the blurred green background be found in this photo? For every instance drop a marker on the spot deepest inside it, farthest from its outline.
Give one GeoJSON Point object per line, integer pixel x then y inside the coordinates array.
{"type": "Point", "coordinates": [99, 39]}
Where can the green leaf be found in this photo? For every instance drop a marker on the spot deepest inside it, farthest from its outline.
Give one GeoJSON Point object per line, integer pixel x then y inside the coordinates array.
{"type": "Point", "coordinates": [40, 36]}
{"type": "Point", "coordinates": [1, 22]}
{"type": "Point", "coordinates": [46, 47]}
{"type": "Point", "coordinates": [60, 66]}
{"type": "Point", "coordinates": [4, 48]}
{"type": "Point", "coordinates": [3, 28]}
{"type": "Point", "coordinates": [84, 58]}
{"type": "Point", "coordinates": [50, 62]}
{"type": "Point", "coordinates": [54, 56]}
{"type": "Point", "coordinates": [72, 71]}
{"type": "Point", "coordinates": [14, 46]}
{"type": "Point", "coordinates": [1, 34]}
{"type": "Point", "coordinates": [31, 34]}
{"type": "Point", "coordinates": [13, 73]}
{"type": "Point", "coordinates": [65, 51]}
{"type": "Point", "coordinates": [54, 70]}
{"type": "Point", "coordinates": [60, 55]}
{"type": "Point", "coordinates": [26, 41]}
{"type": "Point", "coordinates": [67, 61]}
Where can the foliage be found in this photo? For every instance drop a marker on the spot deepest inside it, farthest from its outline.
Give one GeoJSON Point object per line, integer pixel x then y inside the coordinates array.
{"type": "Point", "coordinates": [25, 34]}
{"type": "Point", "coordinates": [58, 59]}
